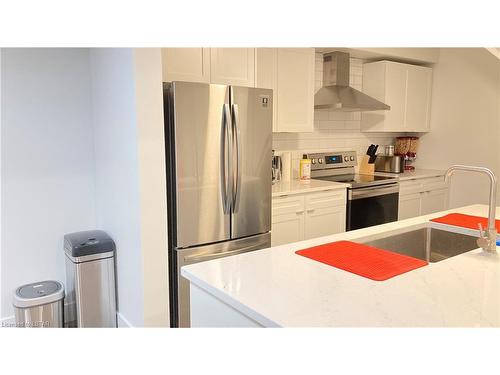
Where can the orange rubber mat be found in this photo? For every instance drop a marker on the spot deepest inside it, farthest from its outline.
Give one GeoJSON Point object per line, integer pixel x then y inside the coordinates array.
{"type": "Point", "coordinates": [367, 261]}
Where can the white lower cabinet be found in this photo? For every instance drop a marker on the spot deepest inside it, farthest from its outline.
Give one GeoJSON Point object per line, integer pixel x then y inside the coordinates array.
{"type": "Point", "coordinates": [422, 197]}
{"type": "Point", "coordinates": [324, 221]}
{"type": "Point", "coordinates": [305, 216]}
{"type": "Point", "coordinates": [288, 219]}
{"type": "Point", "coordinates": [409, 206]}
{"type": "Point", "coordinates": [434, 201]}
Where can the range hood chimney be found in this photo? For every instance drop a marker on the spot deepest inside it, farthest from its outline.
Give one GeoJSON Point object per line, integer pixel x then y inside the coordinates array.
{"type": "Point", "coordinates": [336, 94]}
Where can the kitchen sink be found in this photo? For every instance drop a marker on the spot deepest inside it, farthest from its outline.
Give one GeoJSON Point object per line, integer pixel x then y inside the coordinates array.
{"type": "Point", "coordinates": [430, 244]}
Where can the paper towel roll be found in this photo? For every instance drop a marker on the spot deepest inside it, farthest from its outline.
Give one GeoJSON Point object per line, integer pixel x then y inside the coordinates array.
{"type": "Point", "coordinates": [286, 160]}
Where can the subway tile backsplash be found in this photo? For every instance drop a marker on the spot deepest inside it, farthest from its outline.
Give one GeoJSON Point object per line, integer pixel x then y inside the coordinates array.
{"type": "Point", "coordinates": [340, 131]}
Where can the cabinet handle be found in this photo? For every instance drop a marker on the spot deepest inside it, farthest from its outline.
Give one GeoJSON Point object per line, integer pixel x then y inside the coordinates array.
{"type": "Point", "coordinates": [299, 212]}
{"type": "Point", "coordinates": [310, 210]}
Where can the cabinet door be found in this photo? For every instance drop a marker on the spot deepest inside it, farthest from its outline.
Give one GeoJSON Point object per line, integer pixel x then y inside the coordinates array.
{"type": "Point", "coordinates": [295, 90]}
{"type": "Point", "coordinates": [324, 221]}
{"type": "Point", "coordinates": [434, 201]}
{"type": "Point", "coordinates": [287, 219]}
{"type": "Point", "coordinates": [406, 88]}
{"type": "Point", "coordinates": [325, 213]}
{"type": "Point", "coordinates": [266, 73]}
{"type": "Point", "coordinates": [409, 206]}
{"type": "Point", "coordinates": [233, 66]}
{"type": "Point", "coordinates": [186, 64]}
{"type": "Point", "coordinates": [287, 228]}
{"type": "Point", "coordinates": [418, 99]}
{"type": "Point", "coordinates": [395, 96]}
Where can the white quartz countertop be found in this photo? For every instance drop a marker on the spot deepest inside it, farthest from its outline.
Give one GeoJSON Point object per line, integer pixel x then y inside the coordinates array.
{"type": "Point", "coordinates": [276, 287]}
{"type": "Point", "coordinates": [298, 187]}
{"type": "Point", "coordinates": [417, 173]}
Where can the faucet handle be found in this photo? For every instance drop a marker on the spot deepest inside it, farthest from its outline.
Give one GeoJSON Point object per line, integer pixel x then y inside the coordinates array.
{"type": "Point", "coordinates": [482, 233]}
{"type": "Point", "coordinates": [487, 239]}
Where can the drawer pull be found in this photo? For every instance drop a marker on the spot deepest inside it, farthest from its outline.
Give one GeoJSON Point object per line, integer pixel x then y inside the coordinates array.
{"type": "Point", "coordinates": [299, 212]}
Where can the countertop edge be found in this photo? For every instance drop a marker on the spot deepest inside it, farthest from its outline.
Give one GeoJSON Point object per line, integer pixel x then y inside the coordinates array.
{"type": "Point", "coordinates": [419, 174]}
{"type": "Point", "coordinates": [306, 189]}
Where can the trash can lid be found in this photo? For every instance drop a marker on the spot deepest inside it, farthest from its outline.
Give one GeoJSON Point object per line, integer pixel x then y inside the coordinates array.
{"type": "Point", "coordinates": [36, 294]}
{"type": "Point", "coordinates": [88, 242]}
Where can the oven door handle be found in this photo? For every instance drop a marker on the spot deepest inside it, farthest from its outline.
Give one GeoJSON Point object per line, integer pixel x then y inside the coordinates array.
{"type": "Point", "coordinates": [372, 191]}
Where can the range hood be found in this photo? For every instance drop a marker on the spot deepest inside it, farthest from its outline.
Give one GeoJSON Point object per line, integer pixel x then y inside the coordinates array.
{"type": "Point", "coordinates": [336, 94]}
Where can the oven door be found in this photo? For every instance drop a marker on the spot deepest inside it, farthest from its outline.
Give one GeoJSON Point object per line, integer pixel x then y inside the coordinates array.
{"type": "Point", "coordinates": [372, 206]}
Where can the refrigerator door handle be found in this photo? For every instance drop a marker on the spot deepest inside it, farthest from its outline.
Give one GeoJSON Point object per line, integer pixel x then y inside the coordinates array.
{"type": "Point", "coordinates": [225, 163]}
{"type": "Point", "coordinates": [237, 157]}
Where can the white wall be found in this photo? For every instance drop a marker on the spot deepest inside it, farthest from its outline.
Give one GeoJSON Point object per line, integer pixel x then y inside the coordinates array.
{"type": "Point", "coordinates": [82, 147]}
{"type": "Point", "coordinates": [116, 170]}
{"type": "Point", "coordinates": [130, 177]}
{"type": "Point", "coordinates": [47, 162]}
{"type": "Point", "coordinates": [152, 184]}
{"type": "Point", "coordinates": [465, 123]}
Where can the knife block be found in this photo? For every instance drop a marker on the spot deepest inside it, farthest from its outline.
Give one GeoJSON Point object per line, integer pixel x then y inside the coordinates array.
{"type": "Point", "coordinates": [365, 167]}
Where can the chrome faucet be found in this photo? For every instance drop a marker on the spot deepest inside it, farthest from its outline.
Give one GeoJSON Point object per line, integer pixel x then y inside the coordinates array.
{"type": "Point", "coordinates": [487, 239]}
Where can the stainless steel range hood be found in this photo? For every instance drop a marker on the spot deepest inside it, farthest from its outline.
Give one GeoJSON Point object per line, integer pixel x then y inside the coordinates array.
{"type": "Point", "coordinates": [336, 94]}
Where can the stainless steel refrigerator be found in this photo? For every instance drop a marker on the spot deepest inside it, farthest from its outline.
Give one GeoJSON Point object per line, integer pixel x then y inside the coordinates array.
{"type": "Point", "coordinates": [218, 155]}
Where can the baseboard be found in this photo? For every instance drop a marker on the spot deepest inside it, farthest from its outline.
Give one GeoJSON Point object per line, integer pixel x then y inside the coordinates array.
{"type": "Point", "coordinates": [8, 322]}
{"type": "Point", "coordinates": [123, 322]}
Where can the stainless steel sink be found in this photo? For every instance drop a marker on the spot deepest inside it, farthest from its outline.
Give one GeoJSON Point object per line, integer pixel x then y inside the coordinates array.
{"type": "Point", "coordinates": [430, 244]}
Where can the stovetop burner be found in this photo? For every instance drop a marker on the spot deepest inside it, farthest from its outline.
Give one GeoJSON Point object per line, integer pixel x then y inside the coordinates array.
{"type": "Point", "coordinates": [359, 180]}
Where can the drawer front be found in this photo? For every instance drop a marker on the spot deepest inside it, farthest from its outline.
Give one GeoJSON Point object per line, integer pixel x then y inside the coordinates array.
{"type": "Point", "coordinates": [287, 205]}
{"type": "Point", "coordinates": [434, 183]}
{"type": "Point", "coordinates": [410, 186]}
{"type": "Point", "coordinates": [324, 199]}
{"type": "Point", "coordinates": [418, 185]}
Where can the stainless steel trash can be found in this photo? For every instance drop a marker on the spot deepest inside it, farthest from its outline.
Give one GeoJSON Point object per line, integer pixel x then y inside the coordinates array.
{"type": "Point", "coordinates": [39, 305]}
{"type": "Point", "coordinates": [90, 279]}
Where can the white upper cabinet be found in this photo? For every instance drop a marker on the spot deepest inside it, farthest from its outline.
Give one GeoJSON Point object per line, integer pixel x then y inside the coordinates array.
{"type": "Point", "coordinates": [228, 66]}
{"type": "Point", "coordinates": [295, 91]}
{"type": "Point", "coordinates": [418, 99]}
{"type": "Point", "coordinates": [266, 74]}
{"type": "Point", "coordinates": [186, 64]}
{"type": "Point", "coordinates": [406, 88]}
{"type": "Point", "coordinates": [290, 73]}
{"type": "Point", "coordinates": [233, 66]}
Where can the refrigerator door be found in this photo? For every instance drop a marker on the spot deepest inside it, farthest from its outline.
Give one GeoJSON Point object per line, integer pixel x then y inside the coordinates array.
{"type": "Point", "coordinates": [199, 254]}
{"type": "Point", "coordinates": [202, 125]}
{"type": "Point", "coordinates": [252, 113]}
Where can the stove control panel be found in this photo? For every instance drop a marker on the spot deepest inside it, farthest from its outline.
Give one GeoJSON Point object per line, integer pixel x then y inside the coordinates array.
{"type": "Point", "coordinates": [329, 160]}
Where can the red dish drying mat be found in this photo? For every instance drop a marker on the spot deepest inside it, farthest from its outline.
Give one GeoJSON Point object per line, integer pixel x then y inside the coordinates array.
{"type": "Point", "coordinates": [465, 221]}
{"type": "Point", "coordinates": [363, 260]}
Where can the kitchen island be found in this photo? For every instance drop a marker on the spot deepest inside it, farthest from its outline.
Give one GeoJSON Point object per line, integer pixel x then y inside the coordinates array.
{"type": "Point", "coordinates": [276, 288]}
